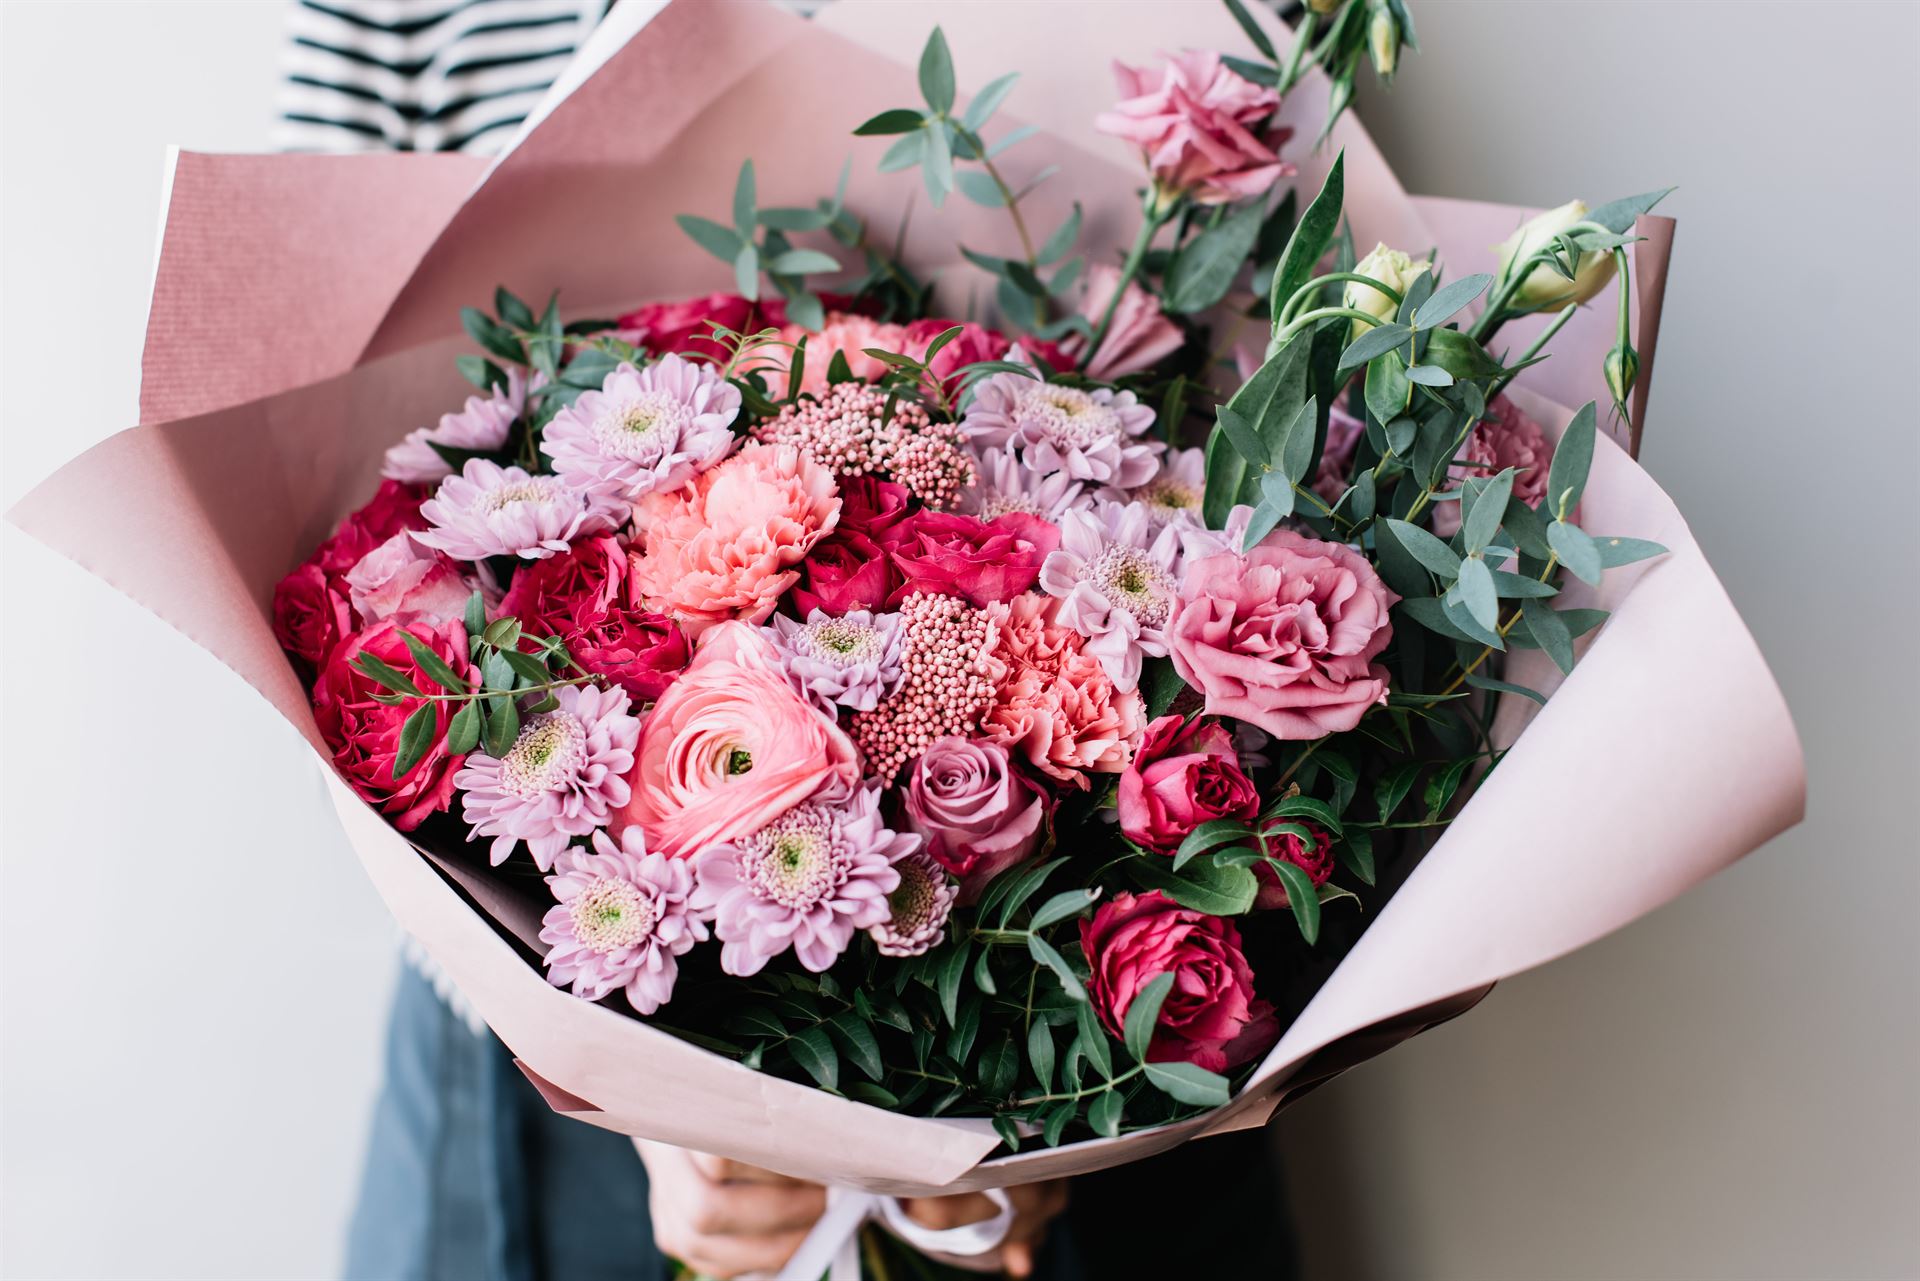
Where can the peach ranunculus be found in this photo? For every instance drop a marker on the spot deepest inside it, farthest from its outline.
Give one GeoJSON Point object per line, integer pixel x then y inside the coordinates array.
{"type": "Point", "coordinates": [1193, 120]}
{"type": "Point", "coordinates": [729, 748]}
{"type": "Point", "coordinates": [1053, 703]}
{"type": "Point", "coordinates": [731, 542]}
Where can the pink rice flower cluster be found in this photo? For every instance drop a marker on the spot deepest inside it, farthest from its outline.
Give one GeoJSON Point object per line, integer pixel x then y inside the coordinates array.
{"type": "Point", "coordinates": [1114, 577]}
{"type": "Point", "coordinates": [919, 908]}
{"type": "Point", "coordinates": [1053, 703]}
{"type": "Point", "coordinates": [808, 880]}
{"type": "Point", "coordinates": [1096, 437]}
{"type": "Point", "coordinates": [623, 920]}
{"type": "Point", "coordinates": [847, 431]}
{"type": "Point", "coordinates": [490, 510]}
{"type": "Point", "coordinates": [644, 430]}
{"type": "Point", "coordinates": [482, 424]}
{"type": "Point", "coordinates": [1004, 486]}
{"type": "Point", "coordinates": [1505, 438]}
{"type": "Point", "coordinates": [1194, 121]}
{"type": "Point", "coordinates": [945, 684]}
{"type": "Point", "coordinates": [854, 660]}
{"type": "Point", "coordinates": [563, 777]}
{"type": "Point", "coordinates": [1173, 497]}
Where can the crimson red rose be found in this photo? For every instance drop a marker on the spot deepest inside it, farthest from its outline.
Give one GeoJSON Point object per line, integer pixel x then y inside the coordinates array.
{"type": "Point", "coordinates": [977, 560]}
{"type": "Point", "coordinates": [1183, 775]}
{"type": "Point", "coordinates": [394, 507]}
{"type": "Point", "coordinates": [684, 327]}
{"type": "Point", "coordinates": [1317, 862]}
{"type": "Point", "coordinates": [365, 734]}
{"type": "Point", "coordinates": [846, 571]}
{"type": "Point", "coordinates": [973, 344]}
{"type": "Point", "coordinates": [871, 506]}
{"type": "Point", "coordinates": [639, 651]}
{"type": "Point", "coordinates": [310, 613]}
{"type": "Point", "coordinates": [1211, 1016]}
{"type": "Point", "coordinates": [549, 596]}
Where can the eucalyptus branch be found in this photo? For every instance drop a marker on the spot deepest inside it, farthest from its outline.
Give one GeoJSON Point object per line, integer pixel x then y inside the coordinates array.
{"type": "Point", "coordinates": [1156, 214]}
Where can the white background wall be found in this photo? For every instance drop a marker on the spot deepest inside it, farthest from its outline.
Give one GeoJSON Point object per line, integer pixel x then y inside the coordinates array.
{"type": "Point", "coordinates": [192, 979]}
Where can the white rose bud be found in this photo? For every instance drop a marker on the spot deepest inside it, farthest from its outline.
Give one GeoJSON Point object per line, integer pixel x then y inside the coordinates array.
{"type": "Point", "coordinates": [1546, 289]}
{"type": "Point", "coordinates": [1391, 268]}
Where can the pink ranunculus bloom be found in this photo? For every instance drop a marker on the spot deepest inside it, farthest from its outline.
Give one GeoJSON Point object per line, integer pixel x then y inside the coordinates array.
{"type": "Point", "coordinates": [949, 554]}
{"type": "Point", "coordinates": [364, 733]}
{"type": "Point", "coordinates": [1184, 774]}
{"type": "Point", "coordinates": [808, 879]}
{"type": "Point", "coordinates": [622, 921]}
{"type": "Point", "coordinates": [644, 429]}
{"type": "Point", "coordinates": [1194, 120]}
{"type": "Point", "coordinates": [686, 327]}
{"type": "Point", "coordinates": [730, 544]}
{"type": "Point", "coordinates": [551, 596]}
{"type": "Point", "coordinates": [1140, 336]}
{"type": "Point", "coordinates": [1316, 862]}
{"type": "Point", "coordinates": [979, 818]}
{"type": "Point", "coordinates": [1285, 635]}
{"type": "Point", "coordinates": [919, 908]}
{"type": "Point", "coordinates": [729, 747]}
{"type": "Point", "coordinates": [402, 579]}
{"type": "Point", "coordinates": [1211, 1016]}
{"type": "Point", "coordinates": [311, 614]}
{"type": "Point", "coordinates": [641, 652]}
{"type": "Point", "coordinates": [1505, 438]}
{"type": "Point", "coordinates": [1053, 703]}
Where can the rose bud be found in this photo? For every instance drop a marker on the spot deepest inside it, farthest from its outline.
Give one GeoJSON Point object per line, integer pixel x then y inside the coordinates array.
{"type": "Point", "coordinates": [1545, 289]}
{"type": "Point", "coordinates": [1391, 268]}
{"type": "Point", "coordinates": [1182, 776]}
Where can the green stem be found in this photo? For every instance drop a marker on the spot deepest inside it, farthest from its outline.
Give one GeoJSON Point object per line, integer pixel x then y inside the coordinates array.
{"type": "Point", "coordinates": [1154, 217]}
{"type": "Point", "coordinates": [1078, 1094]}
{"type": "Point", "coordinates": [1318, 314]}
{"type": "Point", "coordinates": [1307, 290]}
{"type": "Point", "coordinates": [1534, 348]}
{"type": "Point", "coordinates": [1296, 57]}
{"type": "Point", "coordinates": [502, 693]}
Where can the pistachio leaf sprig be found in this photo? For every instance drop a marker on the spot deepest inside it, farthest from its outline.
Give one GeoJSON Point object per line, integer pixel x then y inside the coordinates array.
{"type": "Point", "coordinates": [913, 376]}
{"type": "Point", "coordinates": [758, 241]}
{"type": "Point", "coordinates": [488, 711]}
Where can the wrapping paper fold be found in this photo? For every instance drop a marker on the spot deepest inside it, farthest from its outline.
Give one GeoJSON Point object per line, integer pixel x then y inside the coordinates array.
{"type": "Point", "coordinates": [1667, 754]}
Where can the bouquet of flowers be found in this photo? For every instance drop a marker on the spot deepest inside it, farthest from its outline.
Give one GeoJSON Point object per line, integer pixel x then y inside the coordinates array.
{"type": "Point", "coordinates": [1046, 727]}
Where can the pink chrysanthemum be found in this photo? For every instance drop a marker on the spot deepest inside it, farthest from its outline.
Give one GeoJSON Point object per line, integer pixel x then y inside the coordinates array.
{"type": "Point", "coordinates": [1093, 436]}
{"type": "Point", "coordinates": [919, 908]}
{"type": "Point", "coordinates": [1174, 496]}
{"type": "Point", "coordinates": [623, 920]}
{"type": "Point", "coordinates": [489, 510]}
{"type": "Point", "coordinates": [483, 423]}
{"type": "Point", "coordinates": [1005, 486]}
{"type": "Point", "coordinates": [1053, 703]}
{"type": "Point", "coordinates": [645, 429]}
{"type": "Point", "coordinates": [848, 432]}
{"type": "Point", "coordinates": [853, 660]}
{"type": "Point", "coordinates": [563, 777]}
{"type": "Point", "coordinates": [1115, 580]}
{"type": "Point", "coordinates": [807, 880]}
{"type": "Point", "coordinates": [946, 686]}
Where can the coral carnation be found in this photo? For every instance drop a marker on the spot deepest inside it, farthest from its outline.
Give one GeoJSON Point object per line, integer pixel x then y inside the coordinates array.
{"type": "Point", "coordinates": [1053, 703]}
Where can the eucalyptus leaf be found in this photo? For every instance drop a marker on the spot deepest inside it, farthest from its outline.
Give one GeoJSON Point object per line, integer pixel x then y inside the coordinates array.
{"type": "Point", "coordinates": [1189, 1083]}
{"type": "Point", "coordinates": [1424, 547]}
{"type": "Point", "coordinates": [936, 73]}
{"type": "Point", "coordinates": [1204, 268]}
{"type": "Point", "coordinates": [1572, 459]}
{"type": "Point", "coordinates": [1625, 551]}
{"type": "Point", "coordinates": [1377, 341]}
{"type": "Point", "coordinates": [1311, 237]}
{"type": "Point", "coordinates": [1576, 551]}
{"type": "Point", "coordinates": [1477, 592]}
{"type": "Point", "coordinates": [1549, 630]}
{"type": "Point", "coordinates": [988, 100]}
{"type": "Point", "coordinates": [897, 120]}
{"type": "Point", "coordinates": [1448, 300]}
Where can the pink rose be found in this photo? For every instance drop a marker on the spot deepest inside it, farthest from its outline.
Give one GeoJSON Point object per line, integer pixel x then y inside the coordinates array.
{"type": "Point", "coordinates": [977, 816]}
{"type": "Point", "coordinates": [1140, 336]}
{"type": "Point", "coordinates": [547, 596]}
{"type": "Point", "coordinates": [843, 573]}
{"type": "Point", "coordinates": [729, 747]}
{"type": "Point", "coordinates": [394, 507]}
{"type": "Point", "coordinates": [402, 579]}
{"type": "Point", "coordinates": [1505, 438]}
{"type": "Point", "coordinates": [1317, 862]}
{"type": "Point", "coordinates": [980, 561]}
{"type": "Point", "coordinates": [730, 544]}
{"type": "Point", "coordinates": [1284, 636]}
{"type": "Point", "coordinates": [1194, 121]}
{"type": "Point", "coordinates": [640, 652]}
{"type": "Point", "coordinates": [871, 506]}
{"type": "Point", "coordinates": [365, 733]}
{"type": "Point", "coordinates": [1182, 776]}
{"type": "Point", "coordinates": [684, 327]}
{"type": "Point", "coordinates": [1211, 1016]}
{"type": "Point", "coordinates": [310, 614]}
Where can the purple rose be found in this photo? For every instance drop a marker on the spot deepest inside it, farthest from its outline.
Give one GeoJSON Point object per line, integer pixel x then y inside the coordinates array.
{"type": "Point", "coordinates": [977, 816]}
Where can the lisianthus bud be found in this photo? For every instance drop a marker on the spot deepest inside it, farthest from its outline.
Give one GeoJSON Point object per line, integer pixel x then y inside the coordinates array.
{"type": "Point", "coordinates": [1623, 370]}
{"type": "Point", "coordinates": [1383, 42]}
{"type": "Point", "coordinates": [1324, 7]}
{"type": "Point", "coordinates": [1545, 288]}
{"type": "Point", "coordinates": [1391, 268]}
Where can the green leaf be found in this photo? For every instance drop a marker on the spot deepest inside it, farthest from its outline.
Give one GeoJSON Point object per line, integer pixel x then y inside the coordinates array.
{"type": "Point", "coordinates": [980, 188]}
{"type": "Point", "coordinates": [1387, 388]}
{"type": "Point", "coordinates": [432, 664]}
{"type": "Point", "coordinates": [999, 1068]}
{"type": "Point", "coordinates": [511, 309]}
{"type": "Point", "coordinates": [1189, 1083]}
{"type": "Point", "coordinates": [1424, 547]}
{"type": "Point", "coordinates": [743, 200]}
{"type": "Point", "coordinates": [503, 726]}
{"type": "Point", "coordinates": [1213, 888]}
{"type": "Point", "coordinates": [1459, 355]}
{"type": "Point", "coordinates": [801, 262]}
{"type": "Point", "coordinates": [1040, 1053]}
{"type": "Point", "coordinates": [905, 153]}
{"type": "Point", "coordinates": [1393, 788]}
{"type": "Point", "coordinates": [463, 731]}
{"type": "Point", "coordinates": [1057, 245]}
{"type": "Point", "coordinates": [384, 675]}
{"type": "Point", "coordinates": [1447, 301]}
{"type": "Point", "coordinates": [1549, 631]}
{"type": "Point", "coordinates": [1478, 681]}
{"type": "Point", "coordinates": [987, 101]}
{"type": "Point", "coordinates": [476, 614]}
{"type": "Point", "coordinates": [965, 1029]}
{"type": "Point", "coordinates": [1143, 1014]}
{"type": "Point", "coordinates": [1482, 508]}
{"type": "Point", "coordinates": [416, 737]}
{"type": "Point", "coordinates": [1625, 551]}
{"type": "Point", "coordinates": [1212, 834]}
{"type": "Point", "coordinates": [722, 242]}
{"type": "Point", "coordinates": [1377, 341]}
{"type": "Point", "coordinates": [1160, 684]}
{"type": "Point", "coordinates": [1311, 236]}
{"type": "Point", "coordinates": [1572, 458]}
{"type": "Point", "coordinates": [1104, 1115]}
{"type": "Point", "coordinates": [1276, 389]}
{"type": "Point", "coordinates": [1240, 434]}
{"type": "Point", "coordinates": [1576, 550]}
{"type": "Point", "coordinates": [1252, 28]}
{"type": "Point", "coordinates": [1309, 807]}
{"type": "Point", "coordinates": [1356, 854]}
{"type": "Point", "coordinates": [813, 1050]}
{"type": "Point", "coordinates": [937, 167]}
{"type": "Point", "coordinates": [1049, 956]}
{"type": "Point", "coordinates": [479, 371]}
{"type": "Point", "coordinates": [482, 329]}
{"type": "Point", "coordinates": [1519, 587]}
{"type": "Point", "coordinates": [1063, 905]}
{"type": "Point", "coordinates": [898, 120]}
{"type": "Point", "coordinates": [1618, 215]}
{"type": "Point", "coordinates": [1442, 786]}
{"type": "Point", "coordinates": [1429, 376]}
{"type": "Point", "coordinates": [1274, 508]}
{"type": "Point", "coordinates": [936, 73]}
{"type": "Point", "coordinates": [1204, 268]}
{"type": "Point", "coordinates": [856, 1041]}
{"type": "Point", "coordinates": [1093, 1040]}
{"type": "Point", "coordinates": [1294, 451]}
{"type": "Point", "coordinates": [746, 273]}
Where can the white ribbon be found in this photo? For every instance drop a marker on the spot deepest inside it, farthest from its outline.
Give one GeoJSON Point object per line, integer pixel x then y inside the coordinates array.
{"type": "Point", "coordinates": [833, 1247]}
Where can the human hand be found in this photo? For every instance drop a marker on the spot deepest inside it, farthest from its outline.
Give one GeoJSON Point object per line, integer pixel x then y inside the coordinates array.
{"type": "Point", "coordinates": [724, 1219]}
{"type": "Point", "coordinates": [1035, 1206]}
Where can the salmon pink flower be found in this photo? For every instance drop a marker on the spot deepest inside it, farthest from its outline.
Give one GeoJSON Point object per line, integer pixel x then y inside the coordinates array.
{"type": "Point", "coordinates": [1504, 438]}
{"type": "Point", "coordinates": [1139, 337]}
{"type": "Point", "coordinates": [622, 921]}
{"type": "Point", "coordinates": [1053, 704]}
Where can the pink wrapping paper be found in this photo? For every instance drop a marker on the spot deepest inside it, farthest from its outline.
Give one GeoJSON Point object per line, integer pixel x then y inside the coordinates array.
{"type": "Point", "coordinates": [1667, 754]}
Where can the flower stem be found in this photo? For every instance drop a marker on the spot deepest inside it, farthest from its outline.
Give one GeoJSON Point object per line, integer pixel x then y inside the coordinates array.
{"type": "Point", "coordinates": [1154, 217]}
{"type": "Point", "coordinates": [1534, 348]}
{"type": "Point", "coordinates": [1318, 314]}
{"type": "Point", "coordinates": [1079, 1094]}
{"type": "Point", "coordinates": [1296, 57]}
{"type": "Point", "coordinates": [1307, 290]}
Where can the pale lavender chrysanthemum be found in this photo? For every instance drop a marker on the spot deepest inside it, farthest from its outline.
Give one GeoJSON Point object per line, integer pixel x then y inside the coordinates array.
{"type": "Point", "coordinates": [1006, 486]}
{"type": "Point", "coordinates": [1198, 542]}
{"type": "Point", "coordinates": [808, 880]}
{"type": "Point", "coordinates": [919, 908]}
{"type": "Point", "coordinates": [563, 777]}
{"type": "Point", "coordinates": [482, 424]}
{"type": "Point", "coordinates": [623, 920]}
{"type": "Point", "coordinates": [645, 429]}
{"type": "Point", "coordinates": [1115, 579]}
{"type": "Point", "coordinates": [854, 660]}
{"type": "Point", "coordinates": [1175, 495]}
{"type": "Point", "coordinates": [490, 510]}
{"type": "Point", "coordinates": [1093, 436]}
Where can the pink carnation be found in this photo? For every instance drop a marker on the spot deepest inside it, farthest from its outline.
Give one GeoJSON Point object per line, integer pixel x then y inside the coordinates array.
{"type": "Point", "coordinates": [1194, 120]}
{"type": "Point", "coordinates": [1284, 636]}
{"type": "Point", "coordinates": [843, 334]}
{"type": "Point", "coordinates": [1140, 335]}
{"type": "Point", "coordinates": [1053, 703]}
{"type": "Point", "coordinates": [1505, 438]}
{"type": "Point", "coordinates": [730, 544]}
{"type": "Point", "coordinates": [622, 921]}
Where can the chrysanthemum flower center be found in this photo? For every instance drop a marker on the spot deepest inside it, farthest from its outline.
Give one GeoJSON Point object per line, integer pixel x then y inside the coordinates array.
{"type": "Point", "coordinates": [1170, 494]}
{"type": "Point", "coordinates": [842, 641]}
{"type": "Point", "coordinates": [643, 428]}
{"type": "Point", "coordinates": [549, 754]}
{"type": "Point", "coordinates": [914, 902]}
{"type": "Point", "coordinates": [795, 860]}
{"type": "Point", "coordinates": [611, 914]}
{"type": "Point", "coordinates": [1001, 504]}
{"type": "Point", "coordinates": [538, 489]}
{"type": "Point", "coordinates": [1129, 579]}
{"type": "Point", "coordinates": [1069, 417]}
